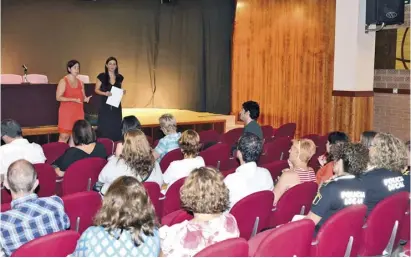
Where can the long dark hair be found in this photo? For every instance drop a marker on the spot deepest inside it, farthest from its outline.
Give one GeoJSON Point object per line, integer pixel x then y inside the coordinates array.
{"type": "Point", "coordinates": [111, 58]}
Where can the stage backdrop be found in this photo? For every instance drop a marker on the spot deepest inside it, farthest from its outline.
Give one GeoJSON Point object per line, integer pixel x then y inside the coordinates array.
{"type": "Point", "coordinates": [181, 50]}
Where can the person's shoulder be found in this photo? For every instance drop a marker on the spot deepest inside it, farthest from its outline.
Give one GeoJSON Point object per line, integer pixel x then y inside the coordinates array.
{"type": "Point", "coordinates": [101, 76]}
{"type": "Point", "coordinates": [120, 77]}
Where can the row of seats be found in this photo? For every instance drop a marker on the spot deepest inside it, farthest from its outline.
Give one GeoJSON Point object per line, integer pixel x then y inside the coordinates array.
{"type": "Point", "coordinates": [34, 78]}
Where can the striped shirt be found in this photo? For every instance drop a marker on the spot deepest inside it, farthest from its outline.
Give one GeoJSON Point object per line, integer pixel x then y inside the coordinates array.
{"type": "Point", "coordinates": [167, 144]}
{"type": "Point", "coordinates": [31, 217]}
{"type": "Point", "coordinates": [305, 175]}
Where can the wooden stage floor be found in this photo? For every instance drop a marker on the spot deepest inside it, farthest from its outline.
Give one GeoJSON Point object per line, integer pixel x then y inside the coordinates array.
{"type": "Point", "coordinates": [149, 119]}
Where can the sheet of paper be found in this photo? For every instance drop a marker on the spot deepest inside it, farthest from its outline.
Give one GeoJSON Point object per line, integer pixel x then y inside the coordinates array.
{"type": "Point", "coordinates": [298, 217]}
{"type": "Point", "coordinates": [115, 99]}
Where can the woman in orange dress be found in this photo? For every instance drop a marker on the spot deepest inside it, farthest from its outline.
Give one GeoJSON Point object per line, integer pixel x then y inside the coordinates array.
{"type": "Point", "coordinates": [70, 93]}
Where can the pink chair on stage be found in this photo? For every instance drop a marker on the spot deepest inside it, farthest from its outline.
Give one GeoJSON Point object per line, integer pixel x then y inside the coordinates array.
{"type": "Point", "coordinates": [231, 137]}
{"type": "Point", "coordinates": [252, 213]}
{"type": "Point", "coordinates": [275, 150]}
{"type": "Point", "coordinates": [295, 201]}
{"type": "Point", "coordinates": [381, 227]}
{"type": "Point", "coordinates": [268, 131]}
{"type": "Point", "coordinates": [5, 195]}
{"type": "Point", "coordinates": [215, 154]}
{"type": "Point", "coordinates": [108, 145]}
{"type": "Point", "coordinates": [5, 207]}
{"type": "Point", "coordinates": [82, 175]}
{"type": "Point", "coordinates": [176, 217]}
{"type": "Point", "coordinates": [47, 180]}
{"type": "Point", "coordinates": [81, 208]}
{"type": "Point", "coordinates": [209, 136]}
{"type": "Point", "coordinates": [286, 130]}
{"type": "Point", "coordinates": [37, 79]}
{"type": "Point", "coordinates": [83, 78]}
{"type": "Point", "coordinates": [171, 200]}
{"type": "Point", "coordinates": [276, 168]}
{"type": "Point", "coordinates": [11, 79]}
{"type": "Point", "coordinates": [153, 190]}
{"type": "Point", "coordinates": [170, 157]}
{"type": "Point", "coordinates": [233, 247]}
{"type": "Point", "coordinates": [54, 150]}
{"type": "Point", "coordinates": [337, 235]}
{"type": "Point", "coordinates": [288, 240]}
{"type": "Point", "coordinates": [58, 244]}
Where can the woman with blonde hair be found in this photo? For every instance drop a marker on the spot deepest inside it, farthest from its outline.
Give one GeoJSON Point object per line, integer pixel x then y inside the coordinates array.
{"type": "Point", "coordinates": [383, 178]}
{"type": "Point", "coordinates": [190, 145]}
{"type": "Point", "coordinates": [299, 172]}
{"type": "Point", "coordinates": [136, 160]}
{"type": "Point", "coordinates": [125, 225]}
{"type": "Point", "coordinates": [206, 196]}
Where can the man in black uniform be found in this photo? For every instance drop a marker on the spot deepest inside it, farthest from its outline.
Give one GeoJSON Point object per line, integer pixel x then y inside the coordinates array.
{"type": "Point", "coordinates": [388, 158]}
{"type": "Point", "coordinates": [344, 189]}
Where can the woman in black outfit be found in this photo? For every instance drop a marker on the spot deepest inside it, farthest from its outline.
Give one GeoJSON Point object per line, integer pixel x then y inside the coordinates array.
{"type": "Point", "coordinates": [109, 117]}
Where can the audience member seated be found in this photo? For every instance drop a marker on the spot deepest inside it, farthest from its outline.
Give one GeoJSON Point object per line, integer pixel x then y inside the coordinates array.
{"type": "Point", "coordinates": [17, 147]}
{"type": "Point", "coordinates": [367, 137]}
{"type": "Point", "coordinates": [125, 225]}
{"type": "Point", "coordinates": [345, 188]}
{"type": "Point", "coordinates": [136, 160]}
{"type": "Point", "coordinates": [326, 170]}
{"type": "Point", "coordinates": [299, 172]}
{"type": "Point", "coordinates": [206, 196]}
{"type": "Point", "coordinates": [128, 123]}
{"type": "Point", "coordinates": [383, 178]}
{"type": "Point", "coordinates": [249, 115]}
{"type": "Point", "coordinates": [30, 217]}
{"type": "Point", "coordinates": [85, 146]}
{"type": "Point", "coordinates": [169, 142]}
{"type": "Point", "coordinates": [248, 178]}
{"type": "Point", "coordinates": [190, 145]}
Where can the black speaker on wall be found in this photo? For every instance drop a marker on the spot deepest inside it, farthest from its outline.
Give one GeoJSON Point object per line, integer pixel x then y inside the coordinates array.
{"type": "Point", "coordinates": [385, 11]}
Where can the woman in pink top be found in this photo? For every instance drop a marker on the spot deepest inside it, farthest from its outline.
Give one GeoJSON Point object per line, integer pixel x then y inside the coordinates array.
{"type": "Point", "coordinates": [299, 172]}
{"type": "Point", "coordinates": [205, 194]}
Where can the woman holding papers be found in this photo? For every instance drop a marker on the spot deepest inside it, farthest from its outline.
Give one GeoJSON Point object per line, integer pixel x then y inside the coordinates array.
{"type": "Point", "coordinates": [70, 94]}
{"type": "Point", "coordinates": [110, 115]}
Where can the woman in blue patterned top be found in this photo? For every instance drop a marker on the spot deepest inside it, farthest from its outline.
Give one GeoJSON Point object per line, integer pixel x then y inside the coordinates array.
{"type": "Point", "coordinates": [125, 226]}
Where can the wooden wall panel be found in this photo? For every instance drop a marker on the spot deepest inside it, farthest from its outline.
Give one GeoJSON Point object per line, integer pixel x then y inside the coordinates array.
{"type": "Point", "coordinates": [353, 115]}
{"type": "Point", "coordinates": [283, 56]}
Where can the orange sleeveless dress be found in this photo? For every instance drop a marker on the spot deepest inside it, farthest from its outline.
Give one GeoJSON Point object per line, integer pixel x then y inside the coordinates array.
{"type": "Point", "coordinates": [70, 112]}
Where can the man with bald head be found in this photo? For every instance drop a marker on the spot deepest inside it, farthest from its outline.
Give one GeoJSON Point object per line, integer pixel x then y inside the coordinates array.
{"type": "Point", "coordinates": [30, 217]}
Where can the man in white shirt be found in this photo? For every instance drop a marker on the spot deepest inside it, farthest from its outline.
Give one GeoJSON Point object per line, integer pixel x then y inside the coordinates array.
{"type": "Point", "coordinates": [17, 147]}
{"type": "Point", "coordinates": [248, 178]}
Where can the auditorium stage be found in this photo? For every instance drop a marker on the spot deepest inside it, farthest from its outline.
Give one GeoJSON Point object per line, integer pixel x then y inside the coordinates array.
{"type": "Point", "coordinates": [186, 119]}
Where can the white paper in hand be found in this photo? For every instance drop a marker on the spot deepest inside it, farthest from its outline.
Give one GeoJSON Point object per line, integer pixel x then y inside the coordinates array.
{"type": "Point", "coordinates": [116, 96]}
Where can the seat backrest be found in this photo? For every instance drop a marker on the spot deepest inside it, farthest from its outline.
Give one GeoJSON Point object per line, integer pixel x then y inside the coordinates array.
{"type": "Point", "coordinates": [291, 239]}
{"type": "Point", "coordinates": [172, 200]}
{"type": "Point", "coordinates": [11, 79]}
{"type": "Point", "coordinates": [108, 145]}
{"type": "Point", "coordinates": [321, 145]}
{"type": "Point", "coordinates": [176, 217]}
{"type": "Point", "coordinates": [247, 210]}
{"type": "Point", "coordinates": [47, 179]}
{"type": "Point", "coordinates": [149, 139]}
{"type": "Point", "coordinates": [404, 228]}
{"type": "Point", "coordinates": [291, 203]}
{"type": "Point", "coordinates": [81, 208]}
{"type": "Point", "coordinates": [170, 157]}
{"type": "Point", "coordinates": [215, 153]}
{"type": "Point", "coordinates": [268, 131]}
{"type": "Point", "coordinates": [276, 168]}
{"type": "Point", "coordinates": [209, 136]}
{"type": "Point", "coordinates": [5, 207]}
{"type": "Point", "coordinates": [232, 136]}
{"type": "Point", "coordinates": [228, 164]}
{"type": "Point", "coordinates": [233, 247]}
{"type": "Point", "coordinates": [276, 150]}
{"type": "Point", "coordinates": [83, 78]}
{"type": "Point", "coordinates": [153, 190]}
{"type": "Point", "coordinates": [5, 195]}
{"type": "Point", "coordinates": [286, 130]}
{"type": "Point", "coordinates": [54, 150]}
{"type": "Point", "coordinates": [82, 175]}
{"type": "Point", "coordinates": [380, 223]}
{"type": "Point", "coordinates": [58, 244]}
{"type": "Point", "coordinates": [225, 173]}
{"type": "Point", "coordinates": [334, 235]}
{"type": "Point", "coordinates": [37, 78]}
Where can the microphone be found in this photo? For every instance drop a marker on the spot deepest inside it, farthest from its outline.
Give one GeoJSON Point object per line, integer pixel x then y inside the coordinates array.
{"type": "Point", "coordinates": [25, 73]}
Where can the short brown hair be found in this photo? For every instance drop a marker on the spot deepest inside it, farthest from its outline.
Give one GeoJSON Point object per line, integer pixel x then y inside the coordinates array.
{"type": "Point", "coordinates": [83, 133]}
{"type": "Point", "coordinates": [137, 154]}
{"type": "Point", "coordinates": [354, 157]}
{"type": "Point", "coordinates": [204, 191]}
{"type": "Point", "coordinates": [306, 149]}
{"type": "Point", "coordinates": [189, 143]}
{"type": "Point", "coordinates": [127, 206]}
